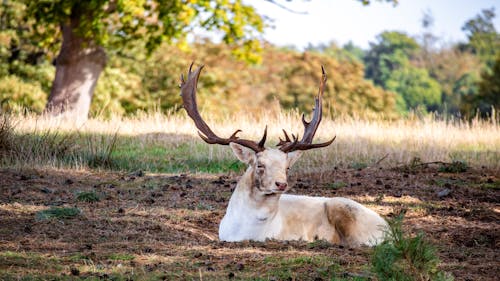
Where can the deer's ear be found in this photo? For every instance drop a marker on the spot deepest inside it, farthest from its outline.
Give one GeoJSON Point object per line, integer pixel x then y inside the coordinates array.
{"type": "Point", "coordinates": [293, 157]}
{"type": "Point", "coordinates": [244, 154]}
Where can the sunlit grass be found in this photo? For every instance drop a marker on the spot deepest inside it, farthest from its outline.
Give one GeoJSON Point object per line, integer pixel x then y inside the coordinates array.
{"type": "Point", "coordinates": [169, 142]}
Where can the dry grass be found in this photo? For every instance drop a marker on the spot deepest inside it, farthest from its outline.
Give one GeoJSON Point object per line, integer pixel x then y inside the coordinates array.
{"type": "Point", "coordinates": [359, 142]}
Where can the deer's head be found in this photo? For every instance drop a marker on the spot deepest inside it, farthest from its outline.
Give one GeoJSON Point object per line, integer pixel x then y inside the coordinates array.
{"type": "Point", "coordinates": [268, 165]}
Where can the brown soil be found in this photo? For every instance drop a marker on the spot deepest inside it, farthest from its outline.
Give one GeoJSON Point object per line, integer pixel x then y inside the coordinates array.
{"type": "Point", "coordinates": [166, 225]}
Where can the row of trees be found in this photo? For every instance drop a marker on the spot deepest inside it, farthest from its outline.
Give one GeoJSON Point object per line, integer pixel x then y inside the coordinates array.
{"type": "Point", "coordinates": [144, 50]}
{"type": "Point", "coordinates": [430, 75]}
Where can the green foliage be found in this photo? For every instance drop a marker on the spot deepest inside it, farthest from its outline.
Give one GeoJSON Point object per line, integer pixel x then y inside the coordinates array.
{"type": "Point", "coordinates": [484, 40]}
{"type": "Point", "coordinates": [337, 185]}
{"type": "Point", "coordinates": [293, 268]}
{"type": "Point", "coordinates": [57, 213]}
{"type": "Point", "coordinates": [121, 257]}
{"type": "Point", "coordinates": [88, 196]}
{"type": "Point", "coordinates": [228, 85]}
{"type": "Point", "coordinates": [6, 135]}
{"type": "Point", "coordinates": [391, 50]}
{"type": "Point", "coordinates": [488, 96]}
{"type": "Point", "coordinates": [388, 63]}
{"type": "Point", "coordinates": [415, 87]}
{"type": "Point", "coordinates": [15, 94]}
{"type": "Point", "coordinates": [454, 167]}
{"type": "Point", "coordinates": [402, 258]}
{"type": "Point", "coordinates": [122, 25]}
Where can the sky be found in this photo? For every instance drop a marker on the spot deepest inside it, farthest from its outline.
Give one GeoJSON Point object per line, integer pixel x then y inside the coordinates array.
{"type": "Point", "coordinates": [342, 21]}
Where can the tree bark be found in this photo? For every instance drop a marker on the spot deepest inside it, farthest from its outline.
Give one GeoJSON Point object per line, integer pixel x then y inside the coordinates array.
{"type": "Point", "coordinates": [78, 67]}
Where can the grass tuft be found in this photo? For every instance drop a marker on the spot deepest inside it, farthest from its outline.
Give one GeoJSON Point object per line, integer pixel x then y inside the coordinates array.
{"type": "Point", "coordinates": [404, 258]}
{"type": "Point", "coordinates": [337, 185]}
{"type": "Point", "coordinates": [6, 133]}
{"type": "Point", "coordinates": [121, 257]}
{"type": "Point", "coordinates": [88, 196]}
{"type": "Point", "coordinates": [454, 167]}
{"type": "Point", "coordinates": [57, 213]}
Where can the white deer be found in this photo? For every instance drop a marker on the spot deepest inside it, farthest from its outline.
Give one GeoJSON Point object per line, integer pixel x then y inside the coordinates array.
{"type": "Point", "coordinates": [259, 209]}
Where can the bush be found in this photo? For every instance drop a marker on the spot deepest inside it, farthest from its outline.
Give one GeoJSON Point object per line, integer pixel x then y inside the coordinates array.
{"type": "Point", "coordinates": [454, 167]}
{"type": "Point", "coordinates": [16, 94]}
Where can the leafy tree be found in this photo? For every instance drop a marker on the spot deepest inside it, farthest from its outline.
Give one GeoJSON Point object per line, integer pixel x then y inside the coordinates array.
{"type": "Point", "coordinates": [488, 96]}
{"type": "Point", "coordinates": [349, 52]}
{"type": "Point", "coordinates": [484, 40]}
{"type": "Point", "coordinates": [416, 88]}
{"type": "Point", "coordinates": [25, 75]}
{"type": "Point", "coordinates": [354, 51]}
{"type": "Point", "coordinates": [457, 72]}
{"type": "Point", "coordinates": [83, 31]}
{"type": "Point", "coordinates": [391, 51]}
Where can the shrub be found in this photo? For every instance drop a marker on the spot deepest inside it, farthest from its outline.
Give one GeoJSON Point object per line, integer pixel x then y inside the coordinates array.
{"type": "Point", "coordinates": [404, 258]}
{"type": "Point", "coordinates": [454, 167]}
{"type": "Point", "coordinates": [16, 94]}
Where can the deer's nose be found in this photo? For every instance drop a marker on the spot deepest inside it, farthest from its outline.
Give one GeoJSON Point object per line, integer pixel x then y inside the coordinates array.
{"type": "Point", "coordinates": [281, 185]}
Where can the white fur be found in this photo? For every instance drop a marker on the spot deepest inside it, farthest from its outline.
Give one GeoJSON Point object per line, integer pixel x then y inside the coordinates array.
{"type": "Point", "coordinates": [263, 212]}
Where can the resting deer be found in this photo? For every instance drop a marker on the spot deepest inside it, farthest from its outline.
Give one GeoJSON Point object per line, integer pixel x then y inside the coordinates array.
{"type": "Point", "coordinates": [259, 209]}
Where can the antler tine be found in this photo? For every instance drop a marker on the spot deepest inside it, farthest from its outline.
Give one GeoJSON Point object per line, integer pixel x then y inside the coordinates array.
{"type": "Point", "coordinates": [263, 140]}
{"type": "Point", "coordinates": [310, 127]}
{"type": "Point", "coordinates": [188, 93]}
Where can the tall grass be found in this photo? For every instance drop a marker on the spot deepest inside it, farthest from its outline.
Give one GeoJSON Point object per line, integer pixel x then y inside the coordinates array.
{"type": "Point", "coordinates": [169, 142]}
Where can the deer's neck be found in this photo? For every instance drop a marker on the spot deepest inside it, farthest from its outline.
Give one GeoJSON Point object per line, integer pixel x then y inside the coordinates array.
{"type": "Point", "coordinates": [247, 194]}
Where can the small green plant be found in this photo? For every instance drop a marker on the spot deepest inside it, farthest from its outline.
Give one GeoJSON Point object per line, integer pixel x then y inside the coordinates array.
{"type": "Point", "coordinates": [57, 213]}
{"type": "Point", "coordinates": [121, 257]}
{"type": "Point", "coordinates": [358, 165]}
{"type": "Point", "coordinates": [88, 196]}
{"type": "Point", "coordinates": [337, 185]}
{"type": "Point", "coordinates": [495, 185]}
{"type": "Point", "coordinates": [319, 244]}
{"type": "Point", "coordinates": [404, 258]}
{"type": "Point", "coordinates": [454, 167]}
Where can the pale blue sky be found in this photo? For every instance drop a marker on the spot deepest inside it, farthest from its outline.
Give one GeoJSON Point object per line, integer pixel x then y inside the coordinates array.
{"type": "Point", "coordinates": [348, 20]}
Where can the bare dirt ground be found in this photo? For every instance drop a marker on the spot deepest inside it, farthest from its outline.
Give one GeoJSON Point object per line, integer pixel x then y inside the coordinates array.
{"type": "Point", "coordinates": [159, 226]}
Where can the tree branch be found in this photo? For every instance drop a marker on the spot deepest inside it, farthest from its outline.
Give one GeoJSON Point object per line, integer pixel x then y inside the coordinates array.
{"type": "Point", "coordinates": [286, 8]}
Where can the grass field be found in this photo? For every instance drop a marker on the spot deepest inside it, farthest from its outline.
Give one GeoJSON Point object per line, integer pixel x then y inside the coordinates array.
{"type": "Point", "coordinates": [141, 198]}
{"type": "Point", "coordinates": [169, 143]}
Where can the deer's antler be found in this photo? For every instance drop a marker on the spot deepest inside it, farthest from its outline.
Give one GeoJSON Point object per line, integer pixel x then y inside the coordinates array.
{"type": "Point", "coordinates": [188, 93]}
{"type": "Point", "coordinates": [288, 145]}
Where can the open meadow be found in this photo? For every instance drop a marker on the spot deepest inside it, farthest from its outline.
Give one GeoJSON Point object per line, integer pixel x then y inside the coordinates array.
{"type": "Point", "coordinates": [140, 198]}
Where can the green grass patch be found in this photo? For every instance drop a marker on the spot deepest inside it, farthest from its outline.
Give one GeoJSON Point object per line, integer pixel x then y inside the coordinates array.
{"type": "Point", "coordinates": [304, 268]}
{"type": "Point", "coordinates": [121, 257]}
{"type": "Point", "coordinates": [57, 213]}
{"type": "Point", "coordinates": [88, 196]}
{"type": "Point", "coordinates": [337, 185]}
{"type": "Point", "coordinates": [444, 182]}
{"type": "Point", "coordinates": [454, 167]}
{"type": "Point", "coordinates": [406, 258]}
{"type": "Point", "coordinates": [491, 185]}
{"type": "Point", "coordinates": [170, 159]}
{"type": "Point", "coordinates": [358, 165]}
{"type": "Point", "coordinates": [27, 260]}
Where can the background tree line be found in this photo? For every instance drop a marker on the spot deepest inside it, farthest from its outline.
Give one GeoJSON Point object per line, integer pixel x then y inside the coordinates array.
{"type": "Point", "coordinates": [397, 74]}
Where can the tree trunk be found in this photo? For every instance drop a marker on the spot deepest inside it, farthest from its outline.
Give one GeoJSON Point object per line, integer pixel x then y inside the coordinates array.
{"type": "Point", "coordinates": [78, 66]}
